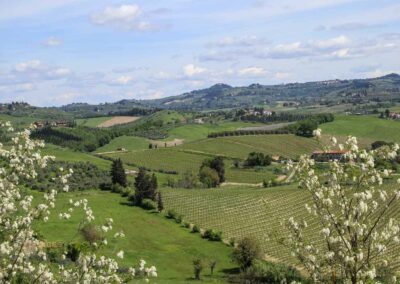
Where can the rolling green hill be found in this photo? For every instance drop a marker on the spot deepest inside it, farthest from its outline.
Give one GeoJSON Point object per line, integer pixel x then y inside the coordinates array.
{"type": "Point", "coordinates": [363, 126]}
{"type": "Point", "coordinates": [242, 211]}
{"type": "Point", "coordinates": [130, 143]}
{"type": "Point", "coordinates": [92, 122]}
{"type": "Point", "coordinates": [149, 236]}
{"type": "Point", "coordinates": [240, 146]}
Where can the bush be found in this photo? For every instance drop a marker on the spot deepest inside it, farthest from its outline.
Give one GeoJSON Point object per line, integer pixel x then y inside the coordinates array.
{"type": "Point", "coordinates": [171, 214]}
{"type": "Point", "coordinates": [266, 272]}
{"type": "Point", "coordinates": [90, 233]}
{"type": "Point", "coordinates": [209, 177]}
{"type": "Point", "coordinates": [258, 159]}
{"type": "Point", "coordinates": [148, 204]}
{"type": "Point", "coordinates": [211, 235]}
{"type": "Point", "coordinates": [195, 229]}
{"type": "Point", "coordinates": [246, 253]}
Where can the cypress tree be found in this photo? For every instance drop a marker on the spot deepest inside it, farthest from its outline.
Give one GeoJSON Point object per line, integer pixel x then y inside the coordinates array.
{"type": "Point", "coordinates": [160, 204]}
{"type": "Point", "coordinates": [118, 175]}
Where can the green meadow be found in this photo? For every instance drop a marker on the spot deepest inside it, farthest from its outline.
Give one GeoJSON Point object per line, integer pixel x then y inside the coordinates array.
{"type": "Point", "coordinates": [148, 235]}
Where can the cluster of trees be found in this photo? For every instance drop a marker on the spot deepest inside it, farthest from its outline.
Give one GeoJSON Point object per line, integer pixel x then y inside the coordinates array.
{"type": "Point", "coordinates": [307, 126]}
{"type": "Point", "coordinates": [212, 172]}
{"type": "Point", "coordinates": [256, 159]}
{"type": "Point", "coordinates": [135, 112]}
{"type": "Point", "coordinates": [77, 138]}
{"type": "Point", "coordinates": [248, 132]}
{"type": "Point", "coordinates": [281, 117]}
{"type": "Point", "coordinates": [85, 176]}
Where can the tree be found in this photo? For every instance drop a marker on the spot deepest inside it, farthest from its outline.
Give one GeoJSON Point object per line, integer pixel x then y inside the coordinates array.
{"type": "Point", "coordinates": [218, 165]}
{"type": "Point", "coordinates": [352, 205]}
{"type": "Point", "coordinates": [118, 175]}
{"type": "Point", "coordinates": [160, 203]}
{"type": "Point", "coordinates": [387, 113]}
{"type": "Point", "coordinates": [246, 252]}
{"type": "Point", "coordinates": [213, 264]}
{"type": "Point", "coordinates": [209, 177]}
{"type": "Point", "coordinates": [24, 258]}
{"type": "Point", "coordinates": [255, 159]}
{"type": "Point", "coordinates": [145, 186]}
{"type": "Point", "coordinates": [306, 128]}
{"type": "Point", "coordinates": [198, 266]}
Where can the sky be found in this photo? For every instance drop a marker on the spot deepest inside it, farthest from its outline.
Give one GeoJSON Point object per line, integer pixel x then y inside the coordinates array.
{"type": "Point", "coordinates": [55, 52]}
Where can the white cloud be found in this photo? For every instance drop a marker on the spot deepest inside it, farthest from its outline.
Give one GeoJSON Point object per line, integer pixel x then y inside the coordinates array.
{"type": "Point", "coordinates": [191, 70]}
{"type": "Point", "coordinates": [52, 41]}
{"type": "Point", "coordinates": [282, 75]}
{"type": "Point", "coordinates": [29, 66]}
{"type": "Point", "coordinates": [239, 41]}
{"type": "Point", "coordinates": [59, 72]}
{"type": "Point", "coordinates": [64, 98]}
{"type": "Point", "coordinates": [128, 16]}
{"type": "Point", "coordinates": [121, 14]}
{"type": "Point", "coordinates": [254, 71]}
{"type": "Point", "coordinates": [336, 42]}
{"type": "Point", "coordinates": [123, 80]}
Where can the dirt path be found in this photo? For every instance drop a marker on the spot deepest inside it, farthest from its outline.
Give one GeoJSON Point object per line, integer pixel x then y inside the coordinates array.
{"type": "Point", "coordinates": [240, 184]}
{"type": "Point", "coordinates": [117, 120]}
{"type": "Point", "coordinates": [173, 143]}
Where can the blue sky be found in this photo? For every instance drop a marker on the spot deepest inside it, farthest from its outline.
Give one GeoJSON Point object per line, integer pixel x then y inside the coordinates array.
{"type": "Point", "coordinates": [55, 52]}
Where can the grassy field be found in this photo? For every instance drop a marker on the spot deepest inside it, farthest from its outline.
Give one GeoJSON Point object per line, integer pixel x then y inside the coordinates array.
{"type": "Point", "coordinates": [64, 154]}
{"type": "Point", "coordinates": [190, 156]}
{"type": "Point", "coordinates": [240, 146]}
{"type": "Point", "coordinates": [150, 236]}
{"type": "Point", "coordinates": [362, 126]}
{"type": "Point", "coordinates": [130, 143]}
{"type": "Point", "coordinates": [243, 211]}
{"type": "Point", "coordinates": [191, 132]}
{"type": "Point", "coordinates": [92, 122]}
{"type": "Point", "coordinates": [16, 121]}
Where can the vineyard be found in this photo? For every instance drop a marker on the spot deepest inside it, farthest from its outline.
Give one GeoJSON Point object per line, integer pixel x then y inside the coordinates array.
{"type": "Point", "coordinates": [239, 212]}
{"type": "Point", "coordinates": [239, 147]}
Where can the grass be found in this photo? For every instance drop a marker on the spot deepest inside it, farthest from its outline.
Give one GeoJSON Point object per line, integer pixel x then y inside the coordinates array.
{"type": "Point", "coordinates": [161, 242]}
{"type": "Point", "coordinates": [130, 143]}
{"type": "Point", "coordinates": [192, 132]}
{"type": "Point", "coordinates": [65, 154]}
{"type": "Point", "coordinates": [191, 155]}
{"type": "Point", "coordinates": [363, 126]}
{"type": "Point", "coordinates": [162, 159]}
{"type": "Point", "coordinates": [92, 122]}
{"type": "Point", "coordinates": [17, 121]}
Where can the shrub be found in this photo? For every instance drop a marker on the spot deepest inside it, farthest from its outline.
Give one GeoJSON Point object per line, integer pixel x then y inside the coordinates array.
{"type": "Point", "coordinates": [209, 177]}
{"type": "Point", "coordinates": [211, 235]}
{"type": "Point", "coordinates": [90, 233]}
{"type": "Point", "coordinates": [246, 252]}
{"type": "Point", "coordinates": [266, 272]}
{"type": "Point", "coordinates": [171, 214]}
{"type": "Point", "coordinates": [195, 229]}
{"type": "Point", "coordinates": [179, 218]}
{"type": "Point", "coordinates": [148, 204]}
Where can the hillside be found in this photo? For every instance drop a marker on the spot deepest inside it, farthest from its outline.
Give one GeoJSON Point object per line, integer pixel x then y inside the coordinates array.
{"type": "Point", "coordinates": [224, 96]}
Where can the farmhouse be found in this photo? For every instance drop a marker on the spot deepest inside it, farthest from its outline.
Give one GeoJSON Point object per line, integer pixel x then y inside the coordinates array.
{"type": "Point", "coordinates": [57, 123]}
{"type": "Point", "coordinates": [394, 115]}
{"type": "Point", "coordinates": [325, 156]}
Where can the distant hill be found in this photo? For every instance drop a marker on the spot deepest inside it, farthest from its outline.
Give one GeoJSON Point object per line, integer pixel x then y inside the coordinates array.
{"type": "Point", "coordinates": [219, 96]}
{"type": "Point", "coordinates": [325, 92]}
